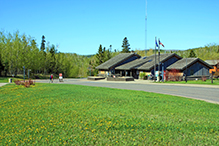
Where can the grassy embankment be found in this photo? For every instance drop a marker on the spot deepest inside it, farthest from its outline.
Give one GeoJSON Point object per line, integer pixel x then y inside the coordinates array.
{"type": "Point", "coordinates": [80, 115]}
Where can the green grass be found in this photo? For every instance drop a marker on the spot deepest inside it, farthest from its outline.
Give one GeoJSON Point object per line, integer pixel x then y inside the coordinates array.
{"type": "Point", "coordinates": [5, 79]}
{"type": "Point", "coordinates": [207, 82]}
{"type": "Point", "coordinates": [20, 77]}
{"type": "Point", "coordinates": [54, 114]}
{"type": "Point", "coordinates": [39, 76]}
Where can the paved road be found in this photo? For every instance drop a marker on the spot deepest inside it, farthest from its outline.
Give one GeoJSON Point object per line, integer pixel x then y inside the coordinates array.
{"type": "Point", "coordinates": [207, 93]}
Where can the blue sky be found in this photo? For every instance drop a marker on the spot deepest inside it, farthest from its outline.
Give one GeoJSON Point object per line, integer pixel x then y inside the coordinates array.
{"type": "Point", "coordinates": [80, 26]}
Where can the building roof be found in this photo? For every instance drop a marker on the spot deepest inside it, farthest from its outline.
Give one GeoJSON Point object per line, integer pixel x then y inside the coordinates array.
{"type": "Point", "coordinates": [116, 60]}
{"type": "Point", "coordinates": [163, 57]}
{"type": "Point", "coordinates": [181, 64]}
{"type": "Point", "coordinates": [133, 64]}
{"type": "Point", "coordinates": [212, 62]}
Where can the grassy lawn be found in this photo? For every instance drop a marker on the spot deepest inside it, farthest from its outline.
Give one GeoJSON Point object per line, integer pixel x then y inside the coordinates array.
{"type": "Point", "coordinates": [5, 79]}
{"type": "Point", "coordinates": [20, 77]}
{"type": "Point", "coordinates": [54, 114]}
{"type": "Point", "coordinates": [207, 82]}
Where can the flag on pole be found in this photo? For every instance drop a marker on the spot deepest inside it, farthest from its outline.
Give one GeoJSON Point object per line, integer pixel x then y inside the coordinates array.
{"type": "Point", "coordinates": [160, 43]}
{"type": "Point", "coordinates": [156, 42]}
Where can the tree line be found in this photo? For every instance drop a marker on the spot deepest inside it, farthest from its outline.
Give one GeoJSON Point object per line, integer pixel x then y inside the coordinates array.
{"type": "Point", "coordinates": [18, 51]}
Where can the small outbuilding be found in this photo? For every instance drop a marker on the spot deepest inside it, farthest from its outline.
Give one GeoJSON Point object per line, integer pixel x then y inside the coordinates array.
{"type": "Point", "coordinates": [214, 64]}
{"type": "Point", "coordinates": [193, 67]}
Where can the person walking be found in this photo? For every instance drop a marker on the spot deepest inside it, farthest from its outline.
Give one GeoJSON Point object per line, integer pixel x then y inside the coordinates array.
{"type": "Point", "coordinates": [51, 78]}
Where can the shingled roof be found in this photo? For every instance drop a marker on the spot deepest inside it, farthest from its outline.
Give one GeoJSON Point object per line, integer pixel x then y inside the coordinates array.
{"type": "Point", "coordinates": [116, 60]}
{"type": "Point", "coordinates": [133, 64]}
{"type": "Point", "coordinates": [212, 62]}
{"type": "Point", "coordinates": [181, 64]}
{"type": "Point", "coordinates": [163, 57]}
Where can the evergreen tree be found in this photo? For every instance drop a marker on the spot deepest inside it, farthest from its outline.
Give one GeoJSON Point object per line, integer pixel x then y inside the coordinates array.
{"type": "Point", "coordinates": [110, 48]}
{"type": "Point", "coordinates": [52, 60]}
{"type": "Point", "coordinates": [42, 47]}
{"type": "Point", "coordinates": [100, 55]}
{"type": "Point", "coordinates": [125, 46]}
{"type": "Point", "coordinates": [108, 53]}
{"type": "Point", "coordinates": [192, 54]}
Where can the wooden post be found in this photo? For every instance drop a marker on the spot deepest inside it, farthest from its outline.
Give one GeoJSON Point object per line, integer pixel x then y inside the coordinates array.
{"type": "Point", "coordinates": [212, 77]}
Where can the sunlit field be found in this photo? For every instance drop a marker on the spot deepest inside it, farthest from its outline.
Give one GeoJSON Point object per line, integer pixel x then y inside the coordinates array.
{"type": "Point", "coordinates": [55, 114]}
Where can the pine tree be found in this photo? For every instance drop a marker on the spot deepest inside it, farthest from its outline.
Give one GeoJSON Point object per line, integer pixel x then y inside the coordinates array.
{"type": "Point", "coordinates": [108, 53]}
{"type": "Point", "coordinates": [100, 55]}
{"type": "Point", "coordinates": [192, 54]}
{"type": "Point", "coordinates": [42, 47]}
{"type": "Point", "coordinates": [52, 60]}
{"type": "Point", "coordinates": [125, 46]}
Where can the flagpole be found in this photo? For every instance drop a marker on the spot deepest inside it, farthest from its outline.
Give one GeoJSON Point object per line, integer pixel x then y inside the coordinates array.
{"type": "Point", "coordinates": [158, 59]}
{"type": "Point", "coordinates": [155, 58]}
{"type": "Point", "coordinates": [146, 29]}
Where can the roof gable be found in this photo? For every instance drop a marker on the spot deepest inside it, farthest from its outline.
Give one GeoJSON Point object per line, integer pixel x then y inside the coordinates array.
{"type": "Point", "coordinates": [122, 57]}
{"type": "Point", "coordinates": [212, 62]}
{"type": "Point", "coordinates": [181, 64]}
{"type": "Point", "coordinates": [163, 58]}
{"type": "Point", "coordinates": [133, 64]}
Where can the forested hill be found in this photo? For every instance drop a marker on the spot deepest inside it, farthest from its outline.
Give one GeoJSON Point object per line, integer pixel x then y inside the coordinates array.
{"type": "Point", "coordinates": [208, 52]}
{"type": "Point", "coordinates": [88, 56]}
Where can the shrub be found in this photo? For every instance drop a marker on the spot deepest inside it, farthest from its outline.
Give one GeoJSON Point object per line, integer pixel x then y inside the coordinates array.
{"type": "Point", "coordinates": [204, 78]}
{"type": "Point", "coordinates": [25, 83]}
{"type": "Point", "coordinates": [142, 75]}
